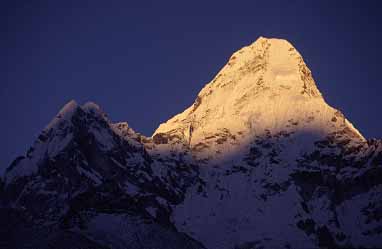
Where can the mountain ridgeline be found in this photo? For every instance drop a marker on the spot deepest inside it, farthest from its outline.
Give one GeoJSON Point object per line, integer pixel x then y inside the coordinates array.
{"type": "Point", "coordinates": [259, 160]}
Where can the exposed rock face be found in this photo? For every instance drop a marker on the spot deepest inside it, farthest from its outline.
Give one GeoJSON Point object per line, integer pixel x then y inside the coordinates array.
{"type": "Point", "coordinates": [260, 160]}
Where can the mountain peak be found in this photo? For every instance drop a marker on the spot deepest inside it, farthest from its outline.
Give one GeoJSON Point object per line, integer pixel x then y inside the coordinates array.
{"type": "Point", "coordinates": [64, 115]}
{"type": "Point", "coordinates": [91, 106]}
{"type": "Point", "coordinates": [68, 107]}
{"type": "Point", "coordinates": [263, 87]}
{"type": "Point", "coordinates": [94, 109]}
{"type": "Point", "coordinates": [275, 62]}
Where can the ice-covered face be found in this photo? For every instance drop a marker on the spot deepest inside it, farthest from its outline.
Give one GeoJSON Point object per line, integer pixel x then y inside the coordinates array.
{"type": "Point", "coordinates": [264, 87]}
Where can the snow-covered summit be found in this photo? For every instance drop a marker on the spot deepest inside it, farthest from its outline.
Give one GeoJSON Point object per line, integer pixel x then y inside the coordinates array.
{"type": "Point", "coordinates": [94, 109]}
{"type": "Point", "coordinates": [66, 113]}
{"type": "Point", "coordinates": [70, 109]}
{"type": "Point", "coordinates": [64, 131]}
{"type": "Point", "coordinates": [265, 86]}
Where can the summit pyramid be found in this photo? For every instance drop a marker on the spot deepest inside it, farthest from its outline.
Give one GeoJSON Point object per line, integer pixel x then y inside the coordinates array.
{"type": "Point", "coordinates": [264, 87]}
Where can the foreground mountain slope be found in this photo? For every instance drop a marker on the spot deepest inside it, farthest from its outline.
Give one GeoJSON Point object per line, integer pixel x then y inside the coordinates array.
{"type": "Point", "coordinates": [86, 178]}
{"type": "Point", "coordinates": [259, 160]}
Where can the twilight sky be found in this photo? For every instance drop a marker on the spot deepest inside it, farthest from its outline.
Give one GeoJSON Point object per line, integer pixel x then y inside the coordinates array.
{"type": "Point", "coordinates": [143, 61]}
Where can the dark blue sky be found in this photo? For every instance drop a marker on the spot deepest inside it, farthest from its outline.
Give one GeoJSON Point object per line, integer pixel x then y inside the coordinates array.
{"type": "Point", "coordinates": [143, 61]}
